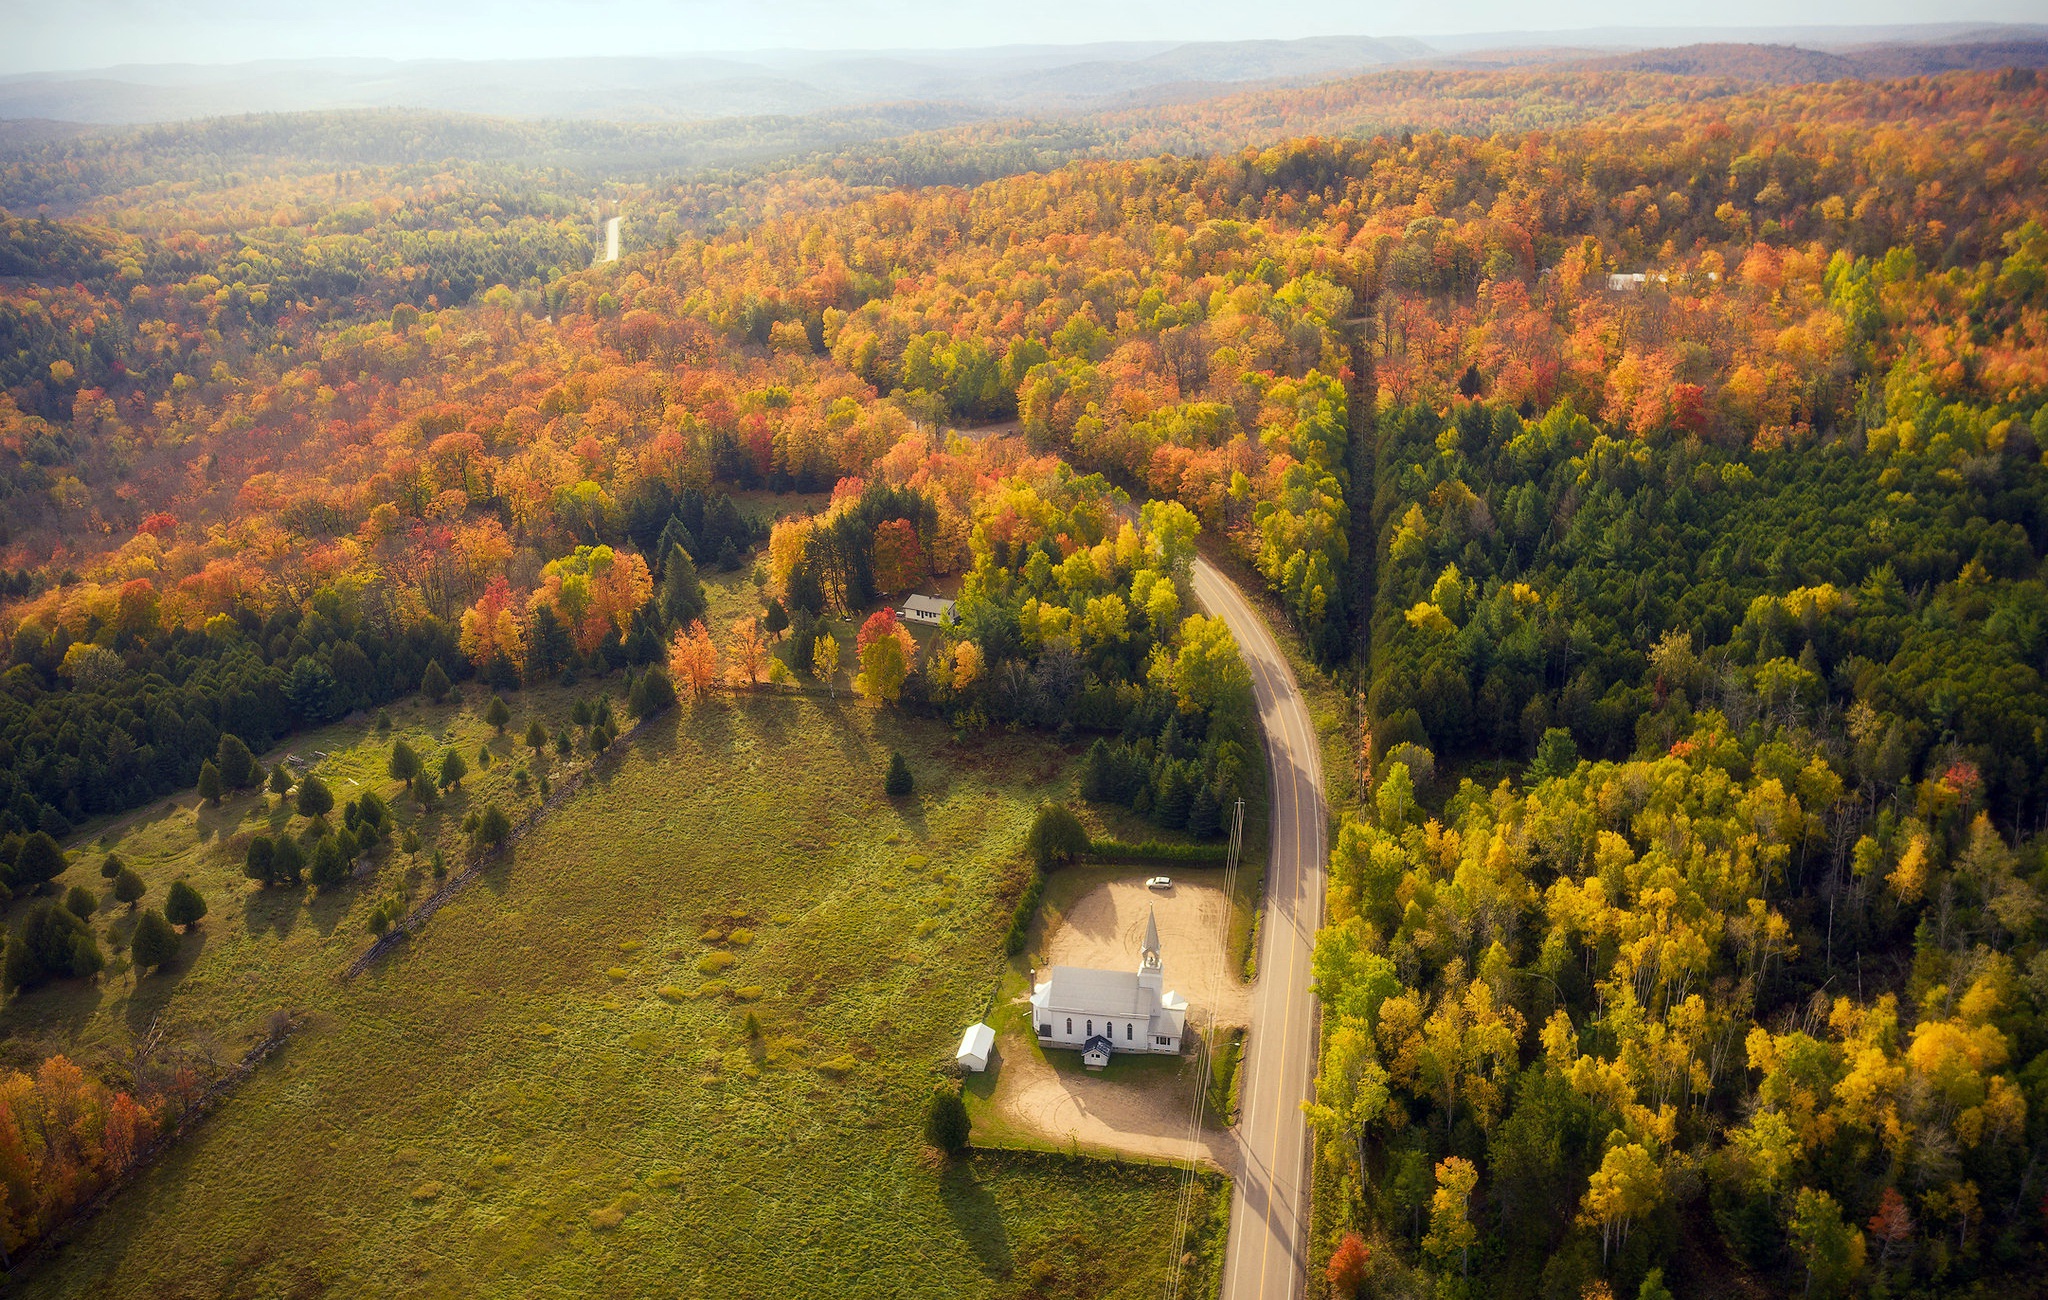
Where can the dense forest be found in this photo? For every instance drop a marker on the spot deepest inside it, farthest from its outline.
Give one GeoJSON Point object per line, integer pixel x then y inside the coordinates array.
{"type": "Point", "coordinates": [1661, 457]}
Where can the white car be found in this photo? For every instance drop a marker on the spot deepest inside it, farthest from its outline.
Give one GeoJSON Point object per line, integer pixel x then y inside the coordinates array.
{"type": "Point", "coordinates": [1160, 882]}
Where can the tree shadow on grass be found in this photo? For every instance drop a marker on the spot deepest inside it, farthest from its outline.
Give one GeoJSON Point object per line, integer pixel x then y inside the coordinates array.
{"type": "Point", "coordinates": [153, 990]}
{"type": "Point", "coordinates": [977, 1216]}
{"type": "Point", "coordinates": [274, 909]}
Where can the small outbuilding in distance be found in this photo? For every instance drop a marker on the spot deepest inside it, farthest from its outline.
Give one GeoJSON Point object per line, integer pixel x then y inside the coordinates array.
{"type": "Point", "coordinates": [929, 610]}
{"type": "Point", "coordinates": [976, 1046]}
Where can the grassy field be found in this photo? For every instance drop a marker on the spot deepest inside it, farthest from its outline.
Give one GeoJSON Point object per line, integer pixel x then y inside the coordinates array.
{"type": "Point", "coordinates": [555, 1090]}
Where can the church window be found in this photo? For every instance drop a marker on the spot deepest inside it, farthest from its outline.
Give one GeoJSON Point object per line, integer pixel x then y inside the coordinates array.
{"type": "Point", "coordinates": [1091, 1029]}
{"type": "Point", "coordinates": [1127, 1033]}
{"type": "Point", "coordinates": [1070, 1026]}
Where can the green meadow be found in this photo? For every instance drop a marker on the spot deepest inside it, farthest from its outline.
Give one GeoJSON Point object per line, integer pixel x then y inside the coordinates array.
{"type": "Point", "coordinates": [678, 1041]}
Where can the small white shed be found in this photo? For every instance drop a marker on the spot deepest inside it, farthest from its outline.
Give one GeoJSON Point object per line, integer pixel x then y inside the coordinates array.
{"type": "Point", "coordinates": [976, 1046]}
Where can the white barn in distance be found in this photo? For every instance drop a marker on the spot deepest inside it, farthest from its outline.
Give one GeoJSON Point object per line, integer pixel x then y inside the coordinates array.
{"type": "Point", "coordinates": [1102, 1012]}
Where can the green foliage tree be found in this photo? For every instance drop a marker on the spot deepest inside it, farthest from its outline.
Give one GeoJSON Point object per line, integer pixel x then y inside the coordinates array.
{"type": "Point", "coordinates": [52, 943]}
{"type": "Point", "coordinates": [315, 799]}
{"type": "Point", "coordinates": [1056, 837]}
{"type": "Point", "coordinates": [81, 902]}
{"type": "Point", "coordinates": [404, 763]}
{"type": "Point", "coordinates": [40, 861]}
{"type": "Point", "coordinates": [682, 594]}
{"type": "Point", "coordinates": [1556, 756]}
{"type": "Point", "coordinates": [210, 784]}
{"type": "Point", "coordinates": [434, 683]}
{"type": "Point", "coordinates": [183, 905]}
{"type": "Point", "coordinates": [537, 734]}
{"type": "Point", "coordinates": [653, 693]}
{"type": "Point", "coordinates": [946, 1125]}
{"type": "Point", "coordinates": [897, 782]}
{"type": "Point", "coordinates": [280, 780]}
{"type": "Point", "coordinates": [129, 888]}
{"type": "Point", "coordinates": [288, 861]}
{"type": "Point", "coordinates": [1832, 1249]}
{"type": "Point", "coordinates": [260, 862]}
{"type": "Point", "coordinates": [498, 714]}
{"type": "Point", "coordinates": [493, 826]}
{"type": "Point", "coordinates": [236, 764]}
{"type": "Point", "coordinates": [154, 943]}
{"type": "Point", "coordinates": [330, 864]}
{"type": "Point", "coordinates": [111, 867]}
{"type": "Point", "coordinates": [453, 769]}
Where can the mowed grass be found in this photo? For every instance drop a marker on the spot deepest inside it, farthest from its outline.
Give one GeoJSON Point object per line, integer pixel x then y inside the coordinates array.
{"type": "Point", "coordinates": [554, 1091]}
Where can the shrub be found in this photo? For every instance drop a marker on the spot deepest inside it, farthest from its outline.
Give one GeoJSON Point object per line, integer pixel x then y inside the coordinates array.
{"type": "Point", "coordinates": [155, 942]}
{"type": "Point", "coordinates": [711, 963]}
{"type": "Point", "coordinates": [897, 783]}
{"type": "Point", "coordinates": [1056, 837]}
{"type": "Point", "coordinates": [183, 906]}
{"type": "Point", "coordinates": [111, 867]}
{"type": "Point", "coordinates": [129, 887]}
{"type": "Point", "coordinates": [946, 1125]}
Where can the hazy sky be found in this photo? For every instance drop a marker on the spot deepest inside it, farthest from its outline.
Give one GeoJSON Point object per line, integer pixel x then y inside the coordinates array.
{"type": "Point", "coordinates": [53, 34]}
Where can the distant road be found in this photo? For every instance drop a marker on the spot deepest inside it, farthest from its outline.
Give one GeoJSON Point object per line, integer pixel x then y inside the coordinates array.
{"type": "Point", "coordinates": [611, 241]}
{"type": "Point", "coordinates": [1267, 1258]}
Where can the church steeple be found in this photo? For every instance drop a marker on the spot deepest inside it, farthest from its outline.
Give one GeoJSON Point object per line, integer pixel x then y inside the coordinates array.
{"type": "Point", "coordinates": [1150, 974]}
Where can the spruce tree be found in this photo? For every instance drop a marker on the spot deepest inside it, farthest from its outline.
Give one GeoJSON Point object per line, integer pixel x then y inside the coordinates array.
{"type": "Point", "coordinates": [154, 942]}
{"type": "Point", "coordinates": [315, 799]}
{"type": "Point", "coordinates": [404, 763]}
{"type": "Point", "coordinates": [897, 783]}
{"type": "Point", "coordinates": [237, 765]}
{"type": "Point", "coordinates": [260, 863]}
{"type": "Point", "coordinates": [183, 905]}
{"type": "Point", "coordinates": [210, 783]}
{"type": "Point", "coordinates": [498, 714]}
{"type": "Point", "coordinates": [434, 683]}
{"type": "Point", "coordinates": [129, 888]}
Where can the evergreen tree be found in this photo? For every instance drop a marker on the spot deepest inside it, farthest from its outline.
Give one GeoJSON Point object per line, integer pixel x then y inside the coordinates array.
{"type": "Point", "coordinates": [897, 783]}
{"type": "Point", "coordinates": [237, 765]}
{"type": "Point", "coordinates": [183, 905]}
{"type": "Point", "coordinates": [1205, 814]}
{"type": "Point", "coordinates": [434, 683]}
{"type": "Point", "coordinates": [404, 763]}
{"type": "Point", "coordinates": [652, 693]}
{"type": "Point", "coordinates": [260, 863]}
{"type": "Point", "coordinates": [330, 864]}
{"type": "Point", "coordinates": [154, 942]}
{"type": "Point", "coordinates": [946, 1125]}
{"type": "Point", "coordinates": [81, 902]}
{"type": "Point", "coordinates": [315, 799]}
{"type": "Point", "coordinates": [41, 860]}
{"type": "Point", "coordinates": [537, 736]}
{"type": "Point", "coordinates": [111, 867]}
{"type": "Point", "coordinates": [53, 943]}
{"type": "Point", "coordinates": [209, 783]}
{"type": "Point", "coordinates": [492, 826]}
{"type": "Point", "coordinates": [498, 714]}
{"type": "Point", "coordinates": [288, 862]}
{"type": "Point", "coordinates": [280, 780]}
{"type": "Point", "coordinates": [453, 769]}
{"type": "Point", "coordinates": [129, 888]}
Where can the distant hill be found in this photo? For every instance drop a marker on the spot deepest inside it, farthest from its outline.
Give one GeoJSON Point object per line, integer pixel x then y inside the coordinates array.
{"type": "Point", "coordinates": [1791, 64]}
{"type": "Point", "coordinates": [685, 88]}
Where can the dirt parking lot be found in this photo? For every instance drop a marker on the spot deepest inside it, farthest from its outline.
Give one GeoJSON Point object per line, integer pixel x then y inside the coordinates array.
{"type": "Point", "coordinates": [1140, 1104]}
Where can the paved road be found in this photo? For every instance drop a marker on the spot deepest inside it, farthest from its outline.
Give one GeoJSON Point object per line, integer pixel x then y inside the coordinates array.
{"type": "Point", "coordinates": [611, 241]}
{"type": "Point", "coordinates": [1267, 1258]}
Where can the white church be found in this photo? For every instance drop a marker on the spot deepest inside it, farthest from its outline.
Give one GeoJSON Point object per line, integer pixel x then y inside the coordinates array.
{"type": "Point", "coordinates": [1102, 1012]}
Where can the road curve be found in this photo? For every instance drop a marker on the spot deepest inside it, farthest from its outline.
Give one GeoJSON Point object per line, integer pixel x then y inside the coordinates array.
{"type": "Point", "coordinates": [1267, 1258]}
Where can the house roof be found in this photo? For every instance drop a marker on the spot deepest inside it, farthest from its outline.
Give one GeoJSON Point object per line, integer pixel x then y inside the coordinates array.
{"type": "Point", "coordinates": [1097, 992]}
{"type": "Point", "coordinates": [929, 606]}
{"type": "Point", "coordinates": [977, 1042]}
{"type": "Point", "coordinates": [1099, 1043]}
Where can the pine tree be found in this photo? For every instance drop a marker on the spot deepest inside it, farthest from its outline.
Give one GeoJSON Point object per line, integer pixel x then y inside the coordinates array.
{"type": "Point", "coordinates": [330, 864]}
{"type": "Point", "coordinates": [288, 862]}
{"type": "Point", "coordinates": [682, 594]}
{"type": "Point", "coordinates": [237, 765]}
{"type": "Point", "coordinates": [260, 863]}
{"type": "Point", "coordinates": [946, 1125]}
{"type": "Point", "coordinates": [280, 780]}
{"type": "Point", "coordinates": [536, 736]}
{"type": "Point", "coordinates": [183, 905]}
{"type": "Point", "coordinates": [453, 769]}
{"type": "Point", "coordinates": [315, 799]}
{"type": "Point", "coordinates": [210, 783]}
{"type": "Point", "coordinates": [897, 783]}
{"type": "Point", "coordinates": [404, 763]}
{"type": "Point", "coordinates": [498, 714]}
{"type": "Point", "coordinates": [434, 683]}
{"type": "Point", "coordinates": [154, 942]}
{"type": "Point", "coordinates": [81, 902]}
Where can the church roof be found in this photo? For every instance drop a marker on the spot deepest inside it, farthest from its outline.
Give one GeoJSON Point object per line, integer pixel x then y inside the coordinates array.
{"type": "Point", "coordinates": [1097, 992]}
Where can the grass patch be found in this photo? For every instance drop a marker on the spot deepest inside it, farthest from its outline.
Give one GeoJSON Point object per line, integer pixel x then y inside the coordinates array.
{"type": "Point", "coordinates": [548, 1102]}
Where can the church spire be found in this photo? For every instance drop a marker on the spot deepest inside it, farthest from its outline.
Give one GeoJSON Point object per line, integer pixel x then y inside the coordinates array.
{"type": "Point", "coordinates": [1151, 948]}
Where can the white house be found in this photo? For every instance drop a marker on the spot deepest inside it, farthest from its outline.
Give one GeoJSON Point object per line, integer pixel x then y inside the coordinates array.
{"type": "Point", "coordinates": [1100, 1012]}
{"type": "Point", "coordinates": [976, 1045]}
{"type": "Point", "coordinates": [925, 609]}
